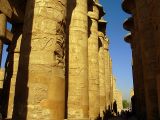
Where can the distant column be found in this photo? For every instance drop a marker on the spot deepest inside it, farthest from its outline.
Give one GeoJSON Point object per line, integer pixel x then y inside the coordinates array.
{"type": "Point", "coordinates": [93, 65]}
{"type": "Point", "coordinates": [1, 50]}
{"type": "Point", "coordinates": [102, 74]}
{"type": "Point", "coordinates": [13, 53]}
{"type": "Point", "coordinates": [111, 80]}
{"type": "Point", "coordinates": [40, 83]}
{"type": "Point", "coordinates": [78, 99]}
{"type": "Point", "coordinates": [3, 23]}
{"type": "Point", "coordinates": [107, 77]}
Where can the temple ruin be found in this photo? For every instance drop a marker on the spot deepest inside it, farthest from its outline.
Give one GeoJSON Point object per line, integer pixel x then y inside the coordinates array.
{"type": "Point", "coordinates": [58, 65]}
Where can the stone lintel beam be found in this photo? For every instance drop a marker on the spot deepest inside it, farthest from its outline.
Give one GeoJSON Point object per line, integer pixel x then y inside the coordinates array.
{"type": "Point", "coordinates": [128, 38]}
{"type": "Point", "coordinates": [129, 24]}
{"type": "Point", "coordinates": [128, 6]}
{"type": "Point", "coordinates": [7, 38]}
{"type": "Point", "coordinates": [12, 11]}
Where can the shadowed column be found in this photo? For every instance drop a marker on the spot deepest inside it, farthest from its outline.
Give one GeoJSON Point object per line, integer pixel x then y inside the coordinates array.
{"type": "Point", "coordinates": [146, 26]}
{"type": "Point", "coordinates": [13, 61]}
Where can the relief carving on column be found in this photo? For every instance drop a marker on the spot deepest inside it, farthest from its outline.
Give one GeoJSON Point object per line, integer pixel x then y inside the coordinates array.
{"type": "Point", "coordinates": [59, 45]}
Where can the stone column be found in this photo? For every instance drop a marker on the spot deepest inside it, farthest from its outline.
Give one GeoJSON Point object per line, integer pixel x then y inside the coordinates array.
{"type": "Point", "coordinates": [40, 83]}
{"type": "Point", "coordinates": [1, 50]}
{"type": "Point", "coordinates": [78, 106]}
{"type": "Point", "coordinates": [147, 28]}
{"type": "Point", "coordinates": [111, 80]}
{"type": "Point", "coordinates": [107, 79]}
{"type": "Point", "coordinates": [156, 35]}
{"type": "Point", "coordinates": [102, 74]}
{"type": "Point", "coordinates": [93, 64]}
{"type": "Point", "coordinates": [13, 53]}
{"type": "Point", "coordinates": [1, 80]}
{"type": "Point", "coordinates": [118, 99]}
{"type": "Point", "coordinates": [138, 76]}
{"type": "Point", "coordinates": [141, 107]}
{"type": "Point", "coordinates": [3, 23]}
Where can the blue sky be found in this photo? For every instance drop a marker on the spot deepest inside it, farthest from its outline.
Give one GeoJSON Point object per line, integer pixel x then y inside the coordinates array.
{"type": "Point", "coordinates": [120, 50]}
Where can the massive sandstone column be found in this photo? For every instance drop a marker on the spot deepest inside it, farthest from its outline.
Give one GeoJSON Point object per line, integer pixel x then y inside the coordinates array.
{"type": "Point", "coordinates": [78, 60]}
{"type": "Point", "coordinates": [156, 33]}
{"type": "Point", "coordinates": [93, 65]}
{"type": "Point", "coordinates": [131, 24]}
{"type": "Point", "coordinates": [107, 78]}
{"type": "Point", "coordinates": [147, 22]}
{"type": "Point", "coordinates": [40, 81]}
{"type": "Point", "coordinates": [102, 74]}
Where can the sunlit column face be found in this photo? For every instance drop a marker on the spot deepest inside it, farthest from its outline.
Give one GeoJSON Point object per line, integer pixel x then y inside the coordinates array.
{"type": "Point", "coordinates": [40, 88]}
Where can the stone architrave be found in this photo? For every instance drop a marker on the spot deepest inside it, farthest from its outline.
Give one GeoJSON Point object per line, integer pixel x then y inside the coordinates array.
{"type": "Point", "coordinates": [93, 64]}
{"type": "Point", "coordinates": [40, 83]}
{"type": "Point", "coordinates": [78, 98]}
{"type": "Point", "coordinates": [102, 74]}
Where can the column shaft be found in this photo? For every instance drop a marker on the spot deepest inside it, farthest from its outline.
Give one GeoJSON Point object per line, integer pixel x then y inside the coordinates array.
{"type": "Point", "coordinates": [102, 75]}
{"type": "Point", "coordinates": [111, 80]}
{"type": "Point", "coordinates": [78, 60]}
{"type": "Point", "coordinates": [40, 85]}
{"type": "Point", "coordinates": [148, 46]}
{"type": "Point", "coordinates": [93, 65]}
{"type": "Point", "coordinates": [13, 61]}
{"type": "Point", "coordinates": [107, 79]}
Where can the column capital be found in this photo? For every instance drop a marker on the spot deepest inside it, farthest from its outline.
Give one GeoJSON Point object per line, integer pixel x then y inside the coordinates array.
{"type": "Point", "coordinates": [128, 6]}
{"type": "Point", "coordinates": [129, 24]}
